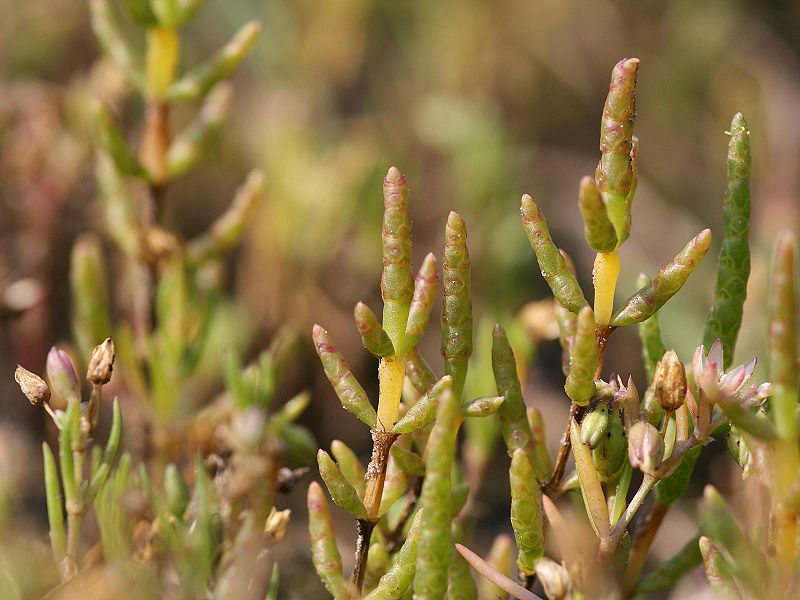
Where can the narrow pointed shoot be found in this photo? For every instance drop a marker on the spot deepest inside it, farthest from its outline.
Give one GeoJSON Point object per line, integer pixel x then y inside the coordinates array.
{"type": "Point", "coordinates": [324, 553]}
{"type": "Point", "coordinates": [554, 267]}
{"type": "Point", "coordinates": [782, 335]}
{"type": "Point", "coordinates": [456, 302]}
{"type": "Point", "coordinates": [597, 228]}
{"type": "Point", "coordinates": [614, 174]}
{"type": "Point", "coordinates": [526, 512]}
{"type": "Point", "coordinates": [198, 81]}
{"type": "Point", "coordinates": [489, 572]}
{"type": "Point", "coordinates": [583, 360]}
{"type": "Point", "coordinates": [435, 542]}
{"type": "Point", "coordinates": [374, 338]}
{"type": "Point", "coordinates": [424, 411]}
{"type": "Point", "coordinates": [342, 492]}
{"type": "Point", "coordinates": [514, 425]}
{"type": "Point", "coordinates": [725, 317]}
{"type": "Point", "coordinates": [228, 229]}
{"type": "Point", "coordinates": [425, 285]}
{"type": "Point", "coordinates": [352, 468]}
{"type": "Point", "coordinates": [352, 396]}
{"type": "Point", "coordinates": [644, 303]}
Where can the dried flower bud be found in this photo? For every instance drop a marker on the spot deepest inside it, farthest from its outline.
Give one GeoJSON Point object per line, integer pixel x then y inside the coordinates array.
{"type": "Point", "coordinates": [33, 386]}
{"type": "Point", "coordinates": [554, 577]}
{"type": "Point", "coordinates": [669, 383]}
{"type": "Point", "coordinates": [101, 363]}
{"type": "Point", "coordinates": [277, 523]}
{"type": "Point", "coordinates": [645, 447]}
{"type": "Point", "coordinates": [63, 377]}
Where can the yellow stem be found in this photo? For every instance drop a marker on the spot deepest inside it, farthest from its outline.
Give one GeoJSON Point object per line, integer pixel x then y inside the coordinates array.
{"type": "Point", "coordinates": [391, 371]}
{"type": "Point", "coordinates": [163, 49]}
{"type": "Point", "coordinates": [606, 272]}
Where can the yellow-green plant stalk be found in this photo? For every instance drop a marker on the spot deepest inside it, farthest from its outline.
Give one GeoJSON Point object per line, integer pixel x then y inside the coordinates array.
{"type": "Point", "coordinates": [784, 372]}
{"type": "Point", "coordinates": [324, 553]}
{"type": "Point", "coordinates": [666, 283]}
{"type": "Point", "coordinates": [725, 317]}
{"type": "Point", "coordinates": [650, 337]}
{"type": "Point", "coordinates": [456, 302]}
{"type": "Point", "coordinates": [554, 267]}
{"type": "Point", "coordinates": [397, 290]}
{"type": "Point", "coordinates": [352, 396]}
{"type": "Point", "coordinates": [514, 425]}
{"type": "Point", "coordinates": [526, 512]}
{"type": "Point", "coordinates": [393, 585]}
{"type": "Point", "coordinates": [584, 356]}
{"type": "Point", "coordinates": [341, 490]}
{"type": "Point", "coordinates": [614, 175]}
{"type": "Point", "coordinates": [435, 542]}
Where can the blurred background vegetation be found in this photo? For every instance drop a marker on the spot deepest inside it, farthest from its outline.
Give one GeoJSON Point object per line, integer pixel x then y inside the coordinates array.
{"type": "Point", "coordinates": [477, 102]}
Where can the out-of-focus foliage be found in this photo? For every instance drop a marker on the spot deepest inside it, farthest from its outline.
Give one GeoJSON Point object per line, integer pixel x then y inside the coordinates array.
{"type": "Point", "coordinates": [476, 101]}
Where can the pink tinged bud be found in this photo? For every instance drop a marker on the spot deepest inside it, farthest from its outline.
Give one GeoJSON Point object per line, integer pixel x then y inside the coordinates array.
{"type": "Point", "coordinates": [101, 363]}
{"type": "Point", "coordinates": [699, 361]}
{"type": "Point", "coordinates": [734, 380]}
{"type": "Point", "coordinates": [64, 382]}
{"type": "Point", "coordinates": [645, 447]}
{"type": "Point", "coordinates": [33, 386]}
{"type": "Point", "coordinates": [714, 358]}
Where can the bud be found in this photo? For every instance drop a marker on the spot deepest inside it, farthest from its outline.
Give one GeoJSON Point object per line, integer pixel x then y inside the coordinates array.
{"type": "Point", "coordinates": [609, 456]}
{"type": "Point", "coordinates": [650, 408]}
{"type": "Point", "coordinates": [554, 578]}
{"type": "Point", "coordinates": [177, 494]}
{"type": "Point", "coordinates": [669, 383]}
{"type": "Point", "coordinates": [33, 386]}
{"type": "Point", "coordinates": [62, 375]}
{"type": "Point", "coordinates": [594, 425]}
{"type": "Point", "coordinates": [101, 363]}
{"type": "Point", "coordinates": [645, 447]}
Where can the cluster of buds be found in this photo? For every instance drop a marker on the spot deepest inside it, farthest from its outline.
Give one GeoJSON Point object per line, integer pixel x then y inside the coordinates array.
{"type": "Point", "coordinates": [730, 392]}
{"type": "Point", "coordinates": [65, 385]}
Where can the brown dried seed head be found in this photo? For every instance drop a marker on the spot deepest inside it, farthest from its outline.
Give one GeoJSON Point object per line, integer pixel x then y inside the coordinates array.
{"type": "Point", "coordinates": [669, 383]}
{"type": "Point", "coordinates": [33, 386]}
{"type": "Point", "coordinates": [101, 363]}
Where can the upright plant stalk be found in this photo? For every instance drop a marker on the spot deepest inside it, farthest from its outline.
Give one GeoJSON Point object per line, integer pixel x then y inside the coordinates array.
{"type": "Point", "coordinates": [725, 317]}
{"type": "Point", "coordinates": [456, 302]}
{"type": "Point", "coordinates": [435, 542]}
{"type": "Point", "coordinates": [783, 362]}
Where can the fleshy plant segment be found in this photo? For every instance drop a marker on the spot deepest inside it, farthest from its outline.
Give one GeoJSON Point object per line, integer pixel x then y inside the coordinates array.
{"type": "Point", "coordinates": [612, 431]}
{"type": "Point", "coordinates": [414, 428]}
